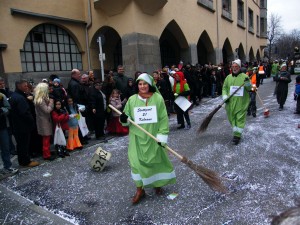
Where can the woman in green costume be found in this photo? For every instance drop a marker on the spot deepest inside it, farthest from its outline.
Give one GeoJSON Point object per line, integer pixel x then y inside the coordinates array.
{"type": "Point", "coordinates": [236, 107]}
{"type": "Point", "coordinates": [149, 161]}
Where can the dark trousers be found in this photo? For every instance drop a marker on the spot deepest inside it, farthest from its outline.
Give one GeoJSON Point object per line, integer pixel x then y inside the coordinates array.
{"type": "Point", "coordinates": [252, 104]}
{"type": "Point", "coordinates": [298, 104]}
{"type": "Point", "coordinates": [98, 122]}
{"type": "Point", "coordinates": [22, 140]}
{"type": "Point", "coordinates": [181, 115]}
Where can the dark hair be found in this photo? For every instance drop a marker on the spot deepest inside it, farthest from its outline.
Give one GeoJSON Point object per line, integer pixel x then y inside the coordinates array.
{"type": "Point", "coordinates": [19, 82]}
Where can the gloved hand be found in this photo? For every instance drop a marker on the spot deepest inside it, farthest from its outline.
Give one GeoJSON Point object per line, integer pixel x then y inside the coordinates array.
{"type": "Point", "coordinates": [247, 82]}
{"type": "Point", "coordinates": [175, 94]}
{"type": "Point", "coordinates": [123, 118]}
{"type": "Point", "coordinates": [162, 144]}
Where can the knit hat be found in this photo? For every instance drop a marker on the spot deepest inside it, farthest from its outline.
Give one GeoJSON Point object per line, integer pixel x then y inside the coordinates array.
{"type": "Point", "coordinates": [56, 80]}
{"type": "Point", "coordinates": [283, 65]}
{"type": "Point", "coordinates": [147, 78]}
{"type": "Point", "coordinates": [238, 62]}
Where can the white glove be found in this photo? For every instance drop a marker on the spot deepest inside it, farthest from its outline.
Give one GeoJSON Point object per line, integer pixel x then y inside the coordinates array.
{"type": "Point", "coordinates": [175, 94]}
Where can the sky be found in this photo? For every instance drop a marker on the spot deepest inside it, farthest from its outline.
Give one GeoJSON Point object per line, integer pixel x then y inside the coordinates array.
{"type": "Point", "coordinates": [288, 10]}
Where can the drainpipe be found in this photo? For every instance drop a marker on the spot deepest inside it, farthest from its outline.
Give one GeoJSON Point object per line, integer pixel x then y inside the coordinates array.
{"type": "Point", "coordinates": [89, 24]}
{"type": "Point", "coordinates": [218, 35]}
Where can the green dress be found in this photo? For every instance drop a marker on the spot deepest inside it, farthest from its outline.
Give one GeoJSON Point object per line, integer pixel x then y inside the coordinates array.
{"type": "Point", "coordinates": [237, 106]}
{"type": "Point", "coordinates": [149, 162]}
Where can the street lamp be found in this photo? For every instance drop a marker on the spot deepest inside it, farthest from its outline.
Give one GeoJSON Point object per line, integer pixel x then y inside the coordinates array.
{"type": "Point", "coordinates": [101, 41]}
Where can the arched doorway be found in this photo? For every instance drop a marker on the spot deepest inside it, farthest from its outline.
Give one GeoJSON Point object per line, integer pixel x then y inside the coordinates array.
{"type": "Point", "coordinates": [251, 55]}
{"type": "Point", "coordinates": [173, 45]}
{"type": "Point", "coordinates": [112, 47]}
{"type": "Point", "coordinates": [205, 50]}
{"type": "Point", "coordinates": [48, 47]}
{"type": "Point", "coordinates": [227, 52]}
{"type": "Point", "coordinates": [241, 53]}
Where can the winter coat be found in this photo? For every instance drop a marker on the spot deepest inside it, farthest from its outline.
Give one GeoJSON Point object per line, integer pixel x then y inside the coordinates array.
{"type": "Point", "coordinates": [5, 107]}
{"type": "Point", "coordinates": [59, 93]}
{"type": "Point", "coordinates": [22, 119]}
{"type": "Point", "coordinates": [283, 78]}
{"type": "Point", "coordinates": [60, 117]}
{"type": "Point", "coordinates": [43, 117]}
{"type": "Point", "coordinates": [121, 83]}
{"type": "Point", "coordinates": [74, 90]}
{"type": "Point", "coordinates": [96, 101]}
{"type": "Point", "coordinates": [116, 102]}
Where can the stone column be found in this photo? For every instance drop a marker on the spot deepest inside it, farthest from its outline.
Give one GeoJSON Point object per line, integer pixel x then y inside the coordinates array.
{"type": "Point", "coordinates": [141, 52]}
{"type": "Point", "coordinates": [193, 54]}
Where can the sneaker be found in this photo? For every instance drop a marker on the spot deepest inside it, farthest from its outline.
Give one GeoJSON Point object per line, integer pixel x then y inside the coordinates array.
{"type": "Point", "coordinates": [181, 127]}
{"type": "Point", "coordinates": [188, 127]}
{"type": "Point", "coordinates": [236, 140]}
{"type": "Point", "coordinates": [10, 170]}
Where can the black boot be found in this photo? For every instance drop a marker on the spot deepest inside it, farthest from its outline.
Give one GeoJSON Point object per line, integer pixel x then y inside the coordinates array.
{"type": "Point", "coordinates": [60, 151]}
{"type": "Point", "coordinates": [65, 151]}
{"type": "Point", "coordinates": [236, 140]}
{"type": "Point", "coordinates": [181, 126]}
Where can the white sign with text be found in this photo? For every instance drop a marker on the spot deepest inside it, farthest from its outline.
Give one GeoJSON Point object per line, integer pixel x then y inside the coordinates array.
{"type": "Point", "coordinates": [145, 114]}
{"type": "Point", "coordinates": [239, 92]}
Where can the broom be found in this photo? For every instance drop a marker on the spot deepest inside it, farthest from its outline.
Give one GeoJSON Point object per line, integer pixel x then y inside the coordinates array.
{"type": "Point", "coordinates": [266, 111]}
{"type": "Point", "coordinates": [208, 118]}
{"type": "Point", "coordinates": [210, 177]}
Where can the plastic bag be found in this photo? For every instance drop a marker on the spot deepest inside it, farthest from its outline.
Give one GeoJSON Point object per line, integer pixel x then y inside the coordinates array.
{"type": "Point", "coordinates": [59, 137]}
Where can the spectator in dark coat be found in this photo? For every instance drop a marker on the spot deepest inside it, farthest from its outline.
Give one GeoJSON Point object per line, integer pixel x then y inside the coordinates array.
{"type": "Point", "coordinates": [121, 81]}
{"type": "Point", "coordinates": [23, 123]}
{"type": "Point", "coordinates": [97, 103]}
{"type": "Point", "coordinates": [74, 87]}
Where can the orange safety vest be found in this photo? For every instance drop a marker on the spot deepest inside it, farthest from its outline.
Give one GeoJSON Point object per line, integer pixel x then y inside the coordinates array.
{"type": "Point", "coordinates": [261, 70]}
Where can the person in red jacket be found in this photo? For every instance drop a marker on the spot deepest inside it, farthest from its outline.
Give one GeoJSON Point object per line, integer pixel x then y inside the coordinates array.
{"type": "Point", "coordinates": [60, 117]}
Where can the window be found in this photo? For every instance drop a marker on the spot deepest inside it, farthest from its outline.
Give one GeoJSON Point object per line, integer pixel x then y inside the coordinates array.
{"type": "Point", "coordinates": [241, 10]}
{"type": "Point", "coordinates": [226, 10]}
{"type": "Point", "coordinates": [208, 4]}
{"type": "Point", "coordinates": [250, 21]}
{"type": "Point", "coordinates": [49, 48]}
{"type": "Point", "coordinates": [226, 5]}
{"type": "Point", "coordinates": [262, 4]}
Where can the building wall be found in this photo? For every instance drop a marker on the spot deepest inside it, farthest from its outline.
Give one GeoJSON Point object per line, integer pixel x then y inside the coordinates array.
{"type": "Point", "coordinates": [139, 25]}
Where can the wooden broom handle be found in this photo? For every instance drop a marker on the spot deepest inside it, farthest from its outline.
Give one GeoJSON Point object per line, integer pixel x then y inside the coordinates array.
{"type": "Point", "coordinates": [146, 132]}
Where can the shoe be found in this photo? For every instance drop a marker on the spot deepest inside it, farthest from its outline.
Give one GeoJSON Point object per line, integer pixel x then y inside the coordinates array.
{"type": "Point", "coordinates": [51, 158]}
{"type": "Point", "coordinates": [60, 152]}
{"type": "Point", "coordinates": [297, 112]}
{"type": "Point", "coordinates": [33, 164]}
{"type": "Point", "coordinates": [66, 153]}
{"type": "Point", "coordinates": [299, 125]}
{"type": "Point", "coordinates": [188, 127]}
{"type": "Point", "coordinates": [84, 142]}
{"type": "Point", "coordinates": [280, 108]}
{"type": "Point", "coordinates": [254, 114]}
{"type": "Point", "coordinates": [158, 190]}
{"type": "Point", "coordinates": [181, 127]}
{"type": "Point", "coordinates": [140, 193]}
{"type": "Point", "coordinates": [80, 148]}
{"type": "Point", "coordinates": [236, 140]}
{"type": "Point", "coordinates": [248, 113]}
{"type": "Point", "coordinates": [10, 170]}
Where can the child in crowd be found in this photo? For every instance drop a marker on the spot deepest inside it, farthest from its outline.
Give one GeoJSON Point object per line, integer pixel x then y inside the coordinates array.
{"type": "Point", "coordinates": [114, 126]}
{"type": "Point", "coordinates": [59, 93]}
{"type": "Point", "coordinates": [73, 139]}
{"type": "Point", "coordinates": [60, 117]}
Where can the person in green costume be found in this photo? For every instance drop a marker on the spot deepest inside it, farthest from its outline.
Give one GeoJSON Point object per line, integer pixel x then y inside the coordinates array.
{"type": "Point", "coordinates": [236, 107]}
{"type": "Point", "coordinates": [149, 161]}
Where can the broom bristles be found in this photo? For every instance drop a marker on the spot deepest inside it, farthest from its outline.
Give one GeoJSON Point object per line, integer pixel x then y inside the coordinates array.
{"type": "Point", "coordinates": [207, 120]}
{"type": "Point", "coordinates": [210, 177]}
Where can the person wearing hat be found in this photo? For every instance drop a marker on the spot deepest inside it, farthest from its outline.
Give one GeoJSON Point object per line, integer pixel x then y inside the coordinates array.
{"type": "Point", "coordinates": [59, 93]}
{"type": "Point", "coordinates": [149, 161]}
{"type": "Point", "coordinates": [236, 107]}
{"type": "Point", "coordinates": [283, 78]}
{"type": "Point", "coordinates": [252, 92]}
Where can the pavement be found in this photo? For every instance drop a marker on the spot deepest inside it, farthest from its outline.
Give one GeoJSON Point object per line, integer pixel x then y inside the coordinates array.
{"type": "Point", "coordinates": [261, 174]}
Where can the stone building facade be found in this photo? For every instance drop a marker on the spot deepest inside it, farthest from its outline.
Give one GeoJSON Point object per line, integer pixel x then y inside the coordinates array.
{"type": "Point", "coordinates": [39, 38]}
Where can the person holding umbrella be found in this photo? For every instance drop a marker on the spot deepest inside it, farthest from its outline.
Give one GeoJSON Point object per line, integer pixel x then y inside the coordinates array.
{"type": "Point", "coordinates": [149, 161]}
{"type": "Point", "coordinates": [236, 107]}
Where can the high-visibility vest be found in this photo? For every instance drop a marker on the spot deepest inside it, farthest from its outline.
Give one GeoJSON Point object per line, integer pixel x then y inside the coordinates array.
{"type": "Point", "coordinates": [261, 70]}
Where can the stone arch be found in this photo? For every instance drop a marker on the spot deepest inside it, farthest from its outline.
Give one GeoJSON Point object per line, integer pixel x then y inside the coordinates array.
{"type": "Point", "coordinates": [251, 55]}
{"type": "Point", "coordinates": [241, 53]}
{"type": "Point", "coordinates": [112, 47]}
{"type": "Point", "coordinates": [205, 49]}
{"type": "Point", "coordinates": [227, 52]}
{"type": "Point", "coordinates": [50, 47]}
{"type": "Point", "coordinates": [173, 45]}
{"type": "Point", "coordinates": [258, 57]}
